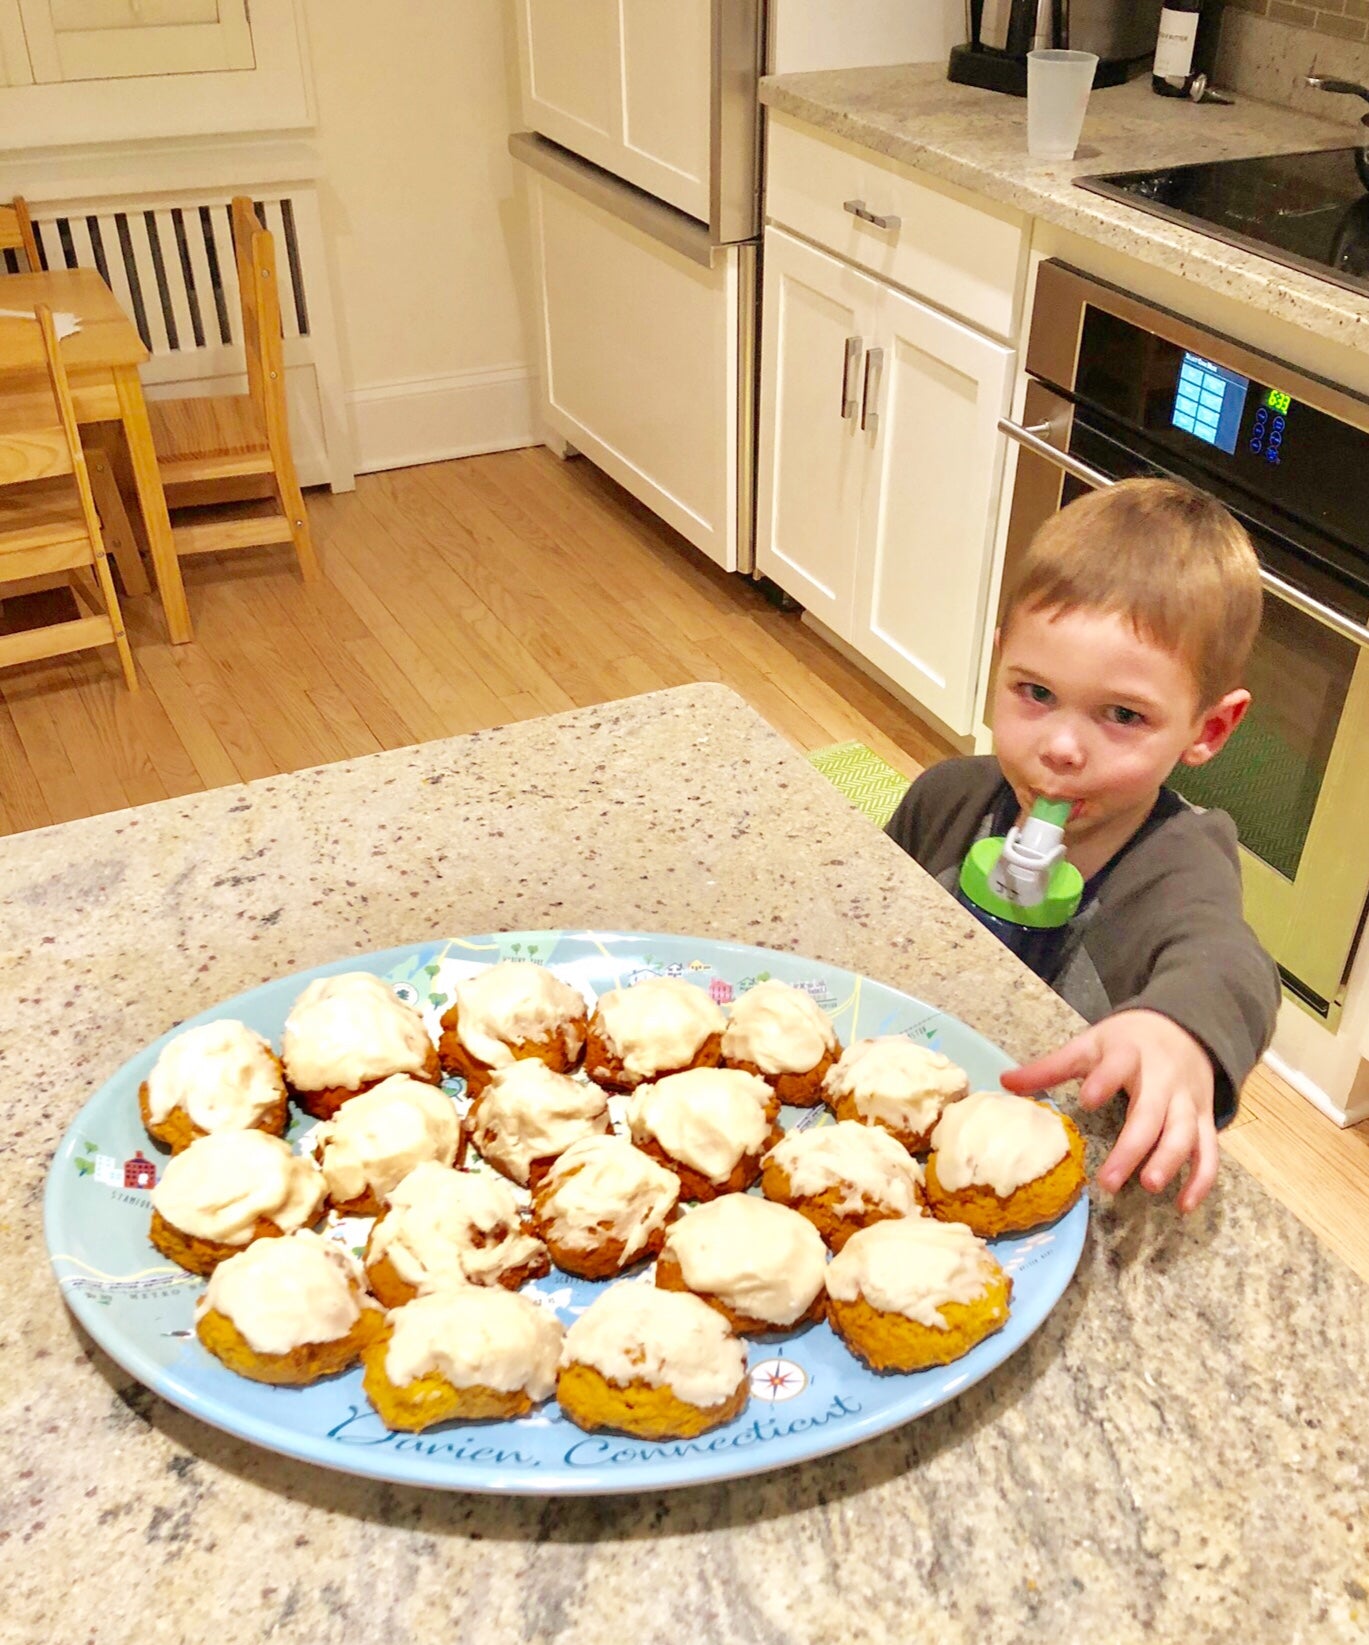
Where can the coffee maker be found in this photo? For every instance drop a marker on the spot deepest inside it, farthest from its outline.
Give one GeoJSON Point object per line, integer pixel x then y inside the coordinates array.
{"type": "Point", "coordinates": [1002, 32]}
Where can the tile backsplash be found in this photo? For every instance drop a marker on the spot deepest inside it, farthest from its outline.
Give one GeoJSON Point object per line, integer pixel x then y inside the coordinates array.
{"type": "Point", "coordinates": [1267, 46]}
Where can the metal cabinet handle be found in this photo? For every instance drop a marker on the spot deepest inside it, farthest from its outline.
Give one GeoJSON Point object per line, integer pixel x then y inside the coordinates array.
{"type": "Point", "coordinates": [1034, 440]}
{"type": "Point", "coordinates": [848, 393]}
{"type": "Point", "coordinates": [874, 371]}
{"type": "Point", "coordinates": [858, 208]}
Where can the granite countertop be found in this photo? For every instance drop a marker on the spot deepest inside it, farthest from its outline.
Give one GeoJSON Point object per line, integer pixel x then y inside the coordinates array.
{"type": "Point", "coordinates": [1177, 1454]}
{"type": "Point", "coordinates": [978, 139]}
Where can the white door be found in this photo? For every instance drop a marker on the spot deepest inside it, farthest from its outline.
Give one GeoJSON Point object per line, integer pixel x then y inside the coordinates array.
{"type": "Point", "coordinates": [818, 315]}
{"type": "Point", "coordinates": [640, 361]}
{"type": "Point", "coordinates": [627, 84]}
{"type": "Point", "coordinates": [935, 392]}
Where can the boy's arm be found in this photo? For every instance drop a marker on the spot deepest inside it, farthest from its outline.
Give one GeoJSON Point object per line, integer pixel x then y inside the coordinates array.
{"type": "Point", "coordinates": [937, 819]}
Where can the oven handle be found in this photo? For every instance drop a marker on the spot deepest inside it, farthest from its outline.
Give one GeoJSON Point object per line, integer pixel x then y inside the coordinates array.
{"type": "Point", "coordinates": [1033, 439]}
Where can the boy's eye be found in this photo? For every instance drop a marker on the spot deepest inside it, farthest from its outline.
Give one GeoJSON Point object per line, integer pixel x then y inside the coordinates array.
{"type": "Point", "coordinates": [1123, 716]}
{"type": "Point", "coordinates": [1034, 693]}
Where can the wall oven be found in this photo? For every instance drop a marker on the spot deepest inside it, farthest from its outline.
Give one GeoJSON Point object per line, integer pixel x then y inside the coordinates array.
{"type": "Point", "coordinates": [1118, 387]}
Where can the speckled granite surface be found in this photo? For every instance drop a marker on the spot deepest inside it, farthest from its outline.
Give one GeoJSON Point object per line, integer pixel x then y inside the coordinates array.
{"type": "Point", "coordinates": [978, 139]}
{"type": "Point", "coordinates": [1178, 1453]}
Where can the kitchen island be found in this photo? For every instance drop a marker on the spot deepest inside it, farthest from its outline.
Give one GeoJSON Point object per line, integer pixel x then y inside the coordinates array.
{"type": "Point", "coordinates": [1177, 1454]}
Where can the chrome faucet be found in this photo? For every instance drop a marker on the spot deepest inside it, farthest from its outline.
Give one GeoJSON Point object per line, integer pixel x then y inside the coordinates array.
{"type": "Point", "coordinates": [1349, 88]}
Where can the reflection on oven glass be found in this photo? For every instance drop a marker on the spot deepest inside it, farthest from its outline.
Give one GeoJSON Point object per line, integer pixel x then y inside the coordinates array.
{"type": "Point", "coordinates": [1269, 775]}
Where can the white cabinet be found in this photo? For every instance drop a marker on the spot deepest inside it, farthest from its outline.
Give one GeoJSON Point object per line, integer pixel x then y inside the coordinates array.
{"type": "Point", "coordinates": [626, 84]}
{"type": "Point", "coordinates": [879, 470]}
{"type": "Point", "coordinates": [122, 39]}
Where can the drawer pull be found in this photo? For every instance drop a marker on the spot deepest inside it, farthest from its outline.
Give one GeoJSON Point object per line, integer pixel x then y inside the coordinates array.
{"type": "Point", "coordinates": [858, 208]}
{"type": "Point", "coordinates": [848, 365]}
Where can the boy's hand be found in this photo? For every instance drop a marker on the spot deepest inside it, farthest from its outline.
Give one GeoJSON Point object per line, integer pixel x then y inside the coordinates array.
{"type": "Point", "coordinates": [1167, 1077]}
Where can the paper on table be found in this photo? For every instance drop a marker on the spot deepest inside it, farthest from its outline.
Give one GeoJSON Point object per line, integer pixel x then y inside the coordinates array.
{"type": "Point", "coordinates": [65, 325]}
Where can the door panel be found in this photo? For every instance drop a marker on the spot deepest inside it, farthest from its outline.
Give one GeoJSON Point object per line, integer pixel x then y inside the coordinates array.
{"type": "Point", "coordinates": [811, 455]}
{"type": "Point", "coordinates": [571, 70]}
{"type": "Point", "coordinates": [667, 98]}
{"type": "Point", "coordinates": [930, 504]}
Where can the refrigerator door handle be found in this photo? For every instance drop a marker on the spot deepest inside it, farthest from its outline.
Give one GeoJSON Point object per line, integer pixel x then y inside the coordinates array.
{"type": "Point", "coordinates": [874, 372]}
{"type": "Point", "coordinates": [849, 402]}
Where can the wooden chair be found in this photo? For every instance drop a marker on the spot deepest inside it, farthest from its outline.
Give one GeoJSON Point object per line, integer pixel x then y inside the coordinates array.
{"type": "Point", "coordinates": [16, 233]}
{"type": "Point", "coordinates": [48, 522]}
{"type": "Point", "coordinates": [212, 442]}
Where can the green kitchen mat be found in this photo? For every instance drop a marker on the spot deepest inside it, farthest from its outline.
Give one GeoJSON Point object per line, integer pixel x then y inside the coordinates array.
{"type": "Point", "coordinates": [870, 783]}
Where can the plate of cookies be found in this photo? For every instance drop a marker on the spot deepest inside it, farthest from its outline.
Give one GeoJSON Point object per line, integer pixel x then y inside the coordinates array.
{"type": "Point", "coordinates": [550, 1212]}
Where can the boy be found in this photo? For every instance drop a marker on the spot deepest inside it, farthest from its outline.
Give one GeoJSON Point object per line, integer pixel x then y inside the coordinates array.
{"type": "Point", "coordinates": [1121, 653]}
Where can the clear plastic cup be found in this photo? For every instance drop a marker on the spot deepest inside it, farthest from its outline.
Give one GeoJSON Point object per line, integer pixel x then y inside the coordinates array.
{"type": "Point", "coordinates": [1058, 86]}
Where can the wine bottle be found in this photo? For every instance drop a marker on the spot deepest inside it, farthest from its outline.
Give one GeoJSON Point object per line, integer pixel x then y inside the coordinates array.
{"type": "Point", "coordinates": [1186, 48]}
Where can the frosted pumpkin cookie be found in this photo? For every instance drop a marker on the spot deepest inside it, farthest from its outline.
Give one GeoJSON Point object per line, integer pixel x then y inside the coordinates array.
{"type": "Point", "coordinates": [219, 1076]}
{"type": "Point", "coordinates": [602, 1206]}
{"type": "Point", "coordinates": [843, 1177]}
{"type": "Point", "coordinates": [287, 1310]}
{"type": "Point", "coordinates": [658, 1026]}
{"type": "Point", "coordinates": [1001, 1164]}
{"type": "Point", "coordinates": [907, 1294]}
{"type": "Point", "coordinates": [889, 1081]}
{"type": "Point", "coordinates": [658, 1364]}
{"type": "Point", "coordinates": [379, 1136]}
{"type": "Point", "coordinates": [510, 1011]}
{"type": "Point", "coordinates": [710, 1126]}
{"type": "Point", "coordinates": [345, 1034]}
{"type": "Point", "coordinates": [783, 1035]}
{"type": "Point", "coordinates": [527, 1115]}
{"type": "Point", "coordinates": [759, 1264]}
{"type": "Point", "coordinates": [462, 1355]}
{"type": "Point", "coordinates": [445, 1228]}
{"type": "Point", "coordinates": [228, 1189]}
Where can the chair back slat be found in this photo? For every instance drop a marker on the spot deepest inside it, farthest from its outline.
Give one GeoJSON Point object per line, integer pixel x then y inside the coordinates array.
{"type": "Point", "coordinates": [16, 233]}
{"type": "Point", "coordinates": [246, 228]}
{"type": "Point", "coordinates": [262, 334]}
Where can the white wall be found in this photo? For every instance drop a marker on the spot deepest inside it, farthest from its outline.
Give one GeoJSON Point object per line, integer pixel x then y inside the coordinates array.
{"type": "Point", "coordinates": [427, 242]}
{"type": "Point", "coordinates": [830, 34]}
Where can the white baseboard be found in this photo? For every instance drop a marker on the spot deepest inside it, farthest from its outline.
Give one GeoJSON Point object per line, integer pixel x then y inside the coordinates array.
{"type": "Point", "coordinates": [1343, 1116]}
{"type": "Point", "coordinates": [429, 419]}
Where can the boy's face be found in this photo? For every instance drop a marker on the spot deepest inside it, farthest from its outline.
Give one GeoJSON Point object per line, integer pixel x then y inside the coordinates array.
{"type": "Point", "coordinates": [1087, 710]}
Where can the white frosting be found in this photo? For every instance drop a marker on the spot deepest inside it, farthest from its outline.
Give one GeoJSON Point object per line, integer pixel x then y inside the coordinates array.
{"type": "Point", "coordinates": [346, 1030]}
{"type": "Point", "coordinates": [635, 1333]}
{"type": "Point", "coordinates": [707, 1118]}
{"type": "Point", "coordinates": [998, 1141]}
{"type": "Point", "coordinates": [284, 1293]}
{"type": "Point", "coordinates": [657, 1024]}
{"type": "Point", "coordinates": [514, 1002]}
{"type": "Point", "coordinates": [912, 1266]}
{"type": "Point", "coordinates": [758, 1257]}
{"type": "Point", "coordinates": [446, 1228]}
{"type": "Point", "coordinates": [873, 1170]}
{"type": "Point", "coordinates": [527, 1112]}
{"type": "Point", "coordinates": [780, 1029]}
{"type": "Point", "coordinates": [222, 1074]}
{"type": "Point", "coordinates": [218, 1187]}
{"type": "Point", "coordinates": [476, 1337]}
{"type": "Point", "coordinates": [377, 1138]}
{"type": "Point", "coordinates": [604, 1188]}
{"type": "Point", "coordinates": [891, 1079]}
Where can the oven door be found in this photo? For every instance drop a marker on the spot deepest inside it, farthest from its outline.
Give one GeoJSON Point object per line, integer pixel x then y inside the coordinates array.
{"type": "Point", "coordinates": [1295, 776]}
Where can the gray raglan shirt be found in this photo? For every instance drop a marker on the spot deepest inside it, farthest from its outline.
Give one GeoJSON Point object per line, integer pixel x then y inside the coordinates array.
{"type": "Point", "coordinates": [1163, 932]}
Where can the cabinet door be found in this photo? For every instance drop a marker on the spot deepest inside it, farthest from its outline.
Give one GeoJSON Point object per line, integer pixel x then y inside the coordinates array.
{"type": "Point", "coordinates": [817, 318]}
{"type": "Point", "coordinates": [627, 84]}
{"type": "Point", "coordinates": [932, 393]}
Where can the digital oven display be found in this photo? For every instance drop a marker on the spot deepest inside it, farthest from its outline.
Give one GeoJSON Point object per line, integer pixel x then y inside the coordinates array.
{"type": "Point", "coordinates": [1210, 404]}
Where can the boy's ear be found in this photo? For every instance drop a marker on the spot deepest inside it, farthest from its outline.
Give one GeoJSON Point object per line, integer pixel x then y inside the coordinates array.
{"type": "Point", "coordinates": [1215, 725]}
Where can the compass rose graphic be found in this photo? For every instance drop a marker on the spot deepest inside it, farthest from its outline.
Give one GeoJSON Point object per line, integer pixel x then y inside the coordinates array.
{"type": "Point", "coordinates": [777, 1379]}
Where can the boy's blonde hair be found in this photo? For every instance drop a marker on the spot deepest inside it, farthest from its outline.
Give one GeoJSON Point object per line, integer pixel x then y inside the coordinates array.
{"type": "Point", "coordinates": [1170, 559]}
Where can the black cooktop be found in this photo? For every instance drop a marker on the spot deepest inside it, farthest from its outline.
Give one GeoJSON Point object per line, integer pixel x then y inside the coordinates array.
{"type": "Point", "coordinates": [1308, 211]}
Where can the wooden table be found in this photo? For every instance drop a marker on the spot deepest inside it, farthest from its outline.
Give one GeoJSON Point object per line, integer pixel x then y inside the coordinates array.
{"type": "Point", "coordinates": [102, 361]}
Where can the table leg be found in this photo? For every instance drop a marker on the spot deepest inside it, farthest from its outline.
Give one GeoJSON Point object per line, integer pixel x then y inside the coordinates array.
{"type": "Point", "coordinates": [152, 501]}
{"type": "Point", "coordinates": [114, 522]}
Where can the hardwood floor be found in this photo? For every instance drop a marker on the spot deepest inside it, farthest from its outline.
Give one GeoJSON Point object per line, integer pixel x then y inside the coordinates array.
{"type": "Point", "coordinates": [469, 594]}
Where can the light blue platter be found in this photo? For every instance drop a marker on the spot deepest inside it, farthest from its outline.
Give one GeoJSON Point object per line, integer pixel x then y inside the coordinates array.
{"type": "Point", "coordinates": [808, 1395]}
